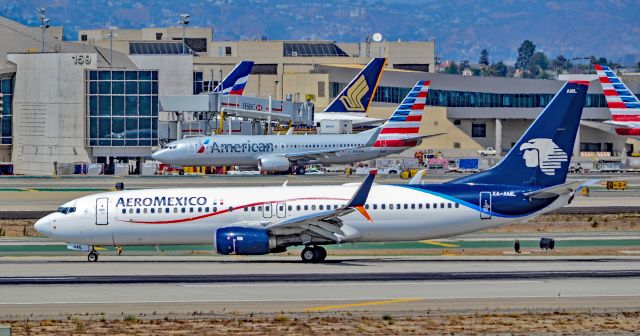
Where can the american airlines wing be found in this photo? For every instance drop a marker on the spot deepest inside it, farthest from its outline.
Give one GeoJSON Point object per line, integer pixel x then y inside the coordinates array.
{"type": "Point", "coordinates": [328, 223]}
{"type": "Point", "coordinates": [325, 153]}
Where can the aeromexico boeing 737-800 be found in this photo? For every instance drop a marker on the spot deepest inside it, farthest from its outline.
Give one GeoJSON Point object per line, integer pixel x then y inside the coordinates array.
{"type": "Point", "coordinates": [529, 181]}
{"type": "Point", "coordinates": [281, 152]}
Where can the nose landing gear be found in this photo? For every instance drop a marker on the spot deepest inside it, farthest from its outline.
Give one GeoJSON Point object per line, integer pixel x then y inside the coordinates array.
{"type": "Point", "coordinates": [93, 256]}
{"type": "Point", "coordinates": [313, 254]}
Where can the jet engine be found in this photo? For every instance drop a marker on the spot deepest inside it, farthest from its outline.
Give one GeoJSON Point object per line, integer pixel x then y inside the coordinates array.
{"type": "Point", "coordinates": [277, 163]}
{"type": "Point", "coordinates": [243, 240]}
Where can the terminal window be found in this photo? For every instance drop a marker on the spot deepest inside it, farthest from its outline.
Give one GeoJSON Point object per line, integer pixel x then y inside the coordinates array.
{"type": "Point", "coordinates": [122, 108]}
{"type": "Point", "coordinates": [450, 98]}
{"type": "Point", "coordinates": [479, 130]}
{"type": "Point", "coordinates": [6, 97]}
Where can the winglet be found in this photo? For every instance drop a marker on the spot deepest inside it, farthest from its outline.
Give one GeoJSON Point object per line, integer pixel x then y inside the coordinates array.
{"type": "Point", "coordinates": [374, 137]}
{"type": "Point", "coordinates": [417, 178]}
{"type": "Point", "coordinates": [360, 197]}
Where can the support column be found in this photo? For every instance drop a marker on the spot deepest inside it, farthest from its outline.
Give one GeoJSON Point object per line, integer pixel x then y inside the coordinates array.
{"type": "Point", "coordinates": [576, 145]}
{"type": "Point", "coordinates": [498, 146]}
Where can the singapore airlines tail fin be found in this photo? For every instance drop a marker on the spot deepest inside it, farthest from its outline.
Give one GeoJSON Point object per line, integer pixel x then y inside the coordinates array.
{"type": "Point", "coordinates": [542, 155]}
{"type": "Point", "coordinates": [236, 80]}
{"type": "Point", "coordinates": [357, 95]}
{"type": "Point", "coordinates": [624, 106]}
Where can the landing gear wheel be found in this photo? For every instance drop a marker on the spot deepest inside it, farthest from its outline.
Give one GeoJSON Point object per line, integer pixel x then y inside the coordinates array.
{"type": "Point", "coordinates": [321, 253]}
{"type": "Point", "coordinates": [93, 257]}
{"type": "Point", "coordinates": [308, 254]}
{"type": "Point", "coordinates": [313, 254]}
{"type": "Point", "coordinates": [300, 170]}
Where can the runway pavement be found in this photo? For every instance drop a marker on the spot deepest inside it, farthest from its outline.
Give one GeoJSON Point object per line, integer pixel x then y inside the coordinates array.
{"type": "Point", "coordinates": [275, 284]}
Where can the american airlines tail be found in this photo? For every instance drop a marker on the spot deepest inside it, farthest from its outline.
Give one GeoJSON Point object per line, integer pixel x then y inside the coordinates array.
{"type": "Point", "coordinates": [403, 127]}
{"type": "Point", "coordinates": [624, 106]}
{"type": "Point", "coordinates": [542, 155]}
{"type": "Point", "coordinates": [236, 80]}
{"type": "Point", "coordinates": [357, 95]}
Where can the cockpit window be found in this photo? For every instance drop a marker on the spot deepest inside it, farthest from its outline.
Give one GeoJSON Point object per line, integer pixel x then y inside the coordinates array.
{"type": "Point", "coordinates": [66, 210]}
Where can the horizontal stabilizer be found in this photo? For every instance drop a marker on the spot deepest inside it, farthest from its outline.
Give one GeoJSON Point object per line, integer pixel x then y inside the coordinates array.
{"type": "Point", "coordinates": [559, 190]}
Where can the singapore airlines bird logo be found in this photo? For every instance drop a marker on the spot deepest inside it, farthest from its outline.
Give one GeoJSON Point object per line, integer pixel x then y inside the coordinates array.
{"type": "Point", "coordinates": [543, 153]}
{"type": "Point", "coordinates": [353, 99]}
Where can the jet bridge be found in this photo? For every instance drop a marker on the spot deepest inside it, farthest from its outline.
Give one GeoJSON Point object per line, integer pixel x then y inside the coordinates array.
{"type": "Point", "coordinates": [229, 114]}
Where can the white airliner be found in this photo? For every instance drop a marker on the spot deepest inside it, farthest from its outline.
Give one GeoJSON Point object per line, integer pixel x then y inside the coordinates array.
{"type": "Point", "coordinates": [529, 181]}
{"type": "Point", "coordinates": [285, 152]}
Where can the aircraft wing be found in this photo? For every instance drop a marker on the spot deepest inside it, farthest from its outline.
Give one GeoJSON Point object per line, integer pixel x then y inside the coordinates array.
{"type": "Point", "coordinates": [314, 154]}
{"type": "Point", "coordinates": [421, 137]}
{"type": "Point", "coordinates": [625, 124]}
{"type": "Point", "coordinates": [561, 189]}
{"type": "Point", "coordinates": [328, 223]}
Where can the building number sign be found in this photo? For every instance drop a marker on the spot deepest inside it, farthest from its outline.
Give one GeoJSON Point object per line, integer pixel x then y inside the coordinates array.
{"type": "Point", "coordinates": [81, 59]}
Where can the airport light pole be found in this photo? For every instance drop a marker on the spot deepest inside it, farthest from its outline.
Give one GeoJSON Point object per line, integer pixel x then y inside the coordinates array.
{"type": "Point", "coordinates": [111, 29]}
{"type": "Point", "coordinates": [44, 24]}
{"type": "Point", "coordinates": [184, 21]}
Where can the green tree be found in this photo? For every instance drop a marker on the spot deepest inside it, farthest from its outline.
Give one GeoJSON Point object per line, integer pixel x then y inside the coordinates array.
{"type": "Point", "coordinates": [526, 50]}
{"type": "Point", "coordinates": [484, 57]}
{"type": "Point", "coordinates": [539, 60]}
{"type": "Point", "coordinates": [499, 70]}
{"type": "Point", "coordinates": [561, 63]}
{"type": "Point", "coordinates": [452, 69]}
{"type": "Point", "coordinates": [638, 66]}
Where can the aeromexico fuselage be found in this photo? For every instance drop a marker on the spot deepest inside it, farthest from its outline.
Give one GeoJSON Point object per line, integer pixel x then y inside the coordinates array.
{"type": "Point", "coordinates": [241, 150]}
{"type": "Point", "coordinates": [192, 216]}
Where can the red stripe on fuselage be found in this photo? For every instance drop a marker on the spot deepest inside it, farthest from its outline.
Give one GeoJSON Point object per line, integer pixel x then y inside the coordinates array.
{"type": "Point", "coordinates": [628, 131]}
{"type": "Point", "coordinates": [616, 105]}
{"type": "Point", "coordinates": [390, 130]}
{"type": "Point", "coordinates": [395, 143]}
{"type": "Point", "coordinates": [610, 92]}
{"type": "Point", "coordinates": [626, 117]}
{"type": "Point", "coordinates": [236, 208]}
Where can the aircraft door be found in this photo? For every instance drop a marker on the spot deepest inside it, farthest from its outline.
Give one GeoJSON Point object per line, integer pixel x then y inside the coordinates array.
{"type": "Point", "coordinates": [102, 211]}
{"type": "Point", "coordinates": [281, 210]}
{"type": "Point", "coordinates": [485, 205]}
{"type": "Point", "coordinates": [267, 210]}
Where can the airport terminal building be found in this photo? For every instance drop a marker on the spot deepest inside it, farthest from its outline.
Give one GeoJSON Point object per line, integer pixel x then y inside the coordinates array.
{"type": "Point", "coordinates": [83, 101]}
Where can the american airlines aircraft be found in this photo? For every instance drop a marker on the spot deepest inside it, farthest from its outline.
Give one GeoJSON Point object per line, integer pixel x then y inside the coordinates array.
{"type": "Point", "coordinates": [624, 106]}
{"type": "Point", "coordinates": [529, 181]}
{"type": "Point", "coordinates": [281, 152]}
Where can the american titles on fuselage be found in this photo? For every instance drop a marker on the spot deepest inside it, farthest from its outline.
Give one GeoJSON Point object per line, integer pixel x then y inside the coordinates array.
{"type": "Point", "coordinates": [259, 147]}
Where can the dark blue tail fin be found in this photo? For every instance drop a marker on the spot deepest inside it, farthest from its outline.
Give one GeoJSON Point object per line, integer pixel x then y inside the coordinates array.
{"type": "Point", "coordinates": [236, 80]}
{"type": "Point", "coordinates": [358, 94]}
{"type": "Point", "coordinates": [542, 156]}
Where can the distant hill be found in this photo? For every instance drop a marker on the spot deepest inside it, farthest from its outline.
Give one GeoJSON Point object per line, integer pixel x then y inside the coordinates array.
{"type": "Point", "coordinates": [575, 28]}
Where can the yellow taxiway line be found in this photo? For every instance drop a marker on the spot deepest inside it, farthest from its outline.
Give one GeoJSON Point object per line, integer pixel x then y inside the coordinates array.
{"type": "Point", "coordinates": [363, 304]}
{"type": "Point", "coordinates": [431, 242]}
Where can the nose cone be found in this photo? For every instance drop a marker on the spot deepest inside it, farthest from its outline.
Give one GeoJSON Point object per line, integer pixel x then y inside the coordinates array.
{"type": "Point", "coordinates": [43, 226]}
{"type": "Point", "coordinates": [161, 155]}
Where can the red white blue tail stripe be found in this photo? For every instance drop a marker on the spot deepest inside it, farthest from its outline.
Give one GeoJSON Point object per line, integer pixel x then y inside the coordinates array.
{"type": "Point", "coordinates": [236, 80]}
{"type": "Point", "coordinates": [624, 106]}
{"type": "Point", "coordinates": [407, 117]}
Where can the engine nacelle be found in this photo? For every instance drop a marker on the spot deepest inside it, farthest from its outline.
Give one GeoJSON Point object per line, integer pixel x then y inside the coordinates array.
{"type": "Point", "coordinates": [276, 163]}
{"type": "Point", "coordinates": [243, 240]}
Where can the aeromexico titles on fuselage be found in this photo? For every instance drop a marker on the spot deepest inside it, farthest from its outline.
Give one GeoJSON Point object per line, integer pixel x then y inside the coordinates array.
{"type": "Point", "coordinates": [161, 201]}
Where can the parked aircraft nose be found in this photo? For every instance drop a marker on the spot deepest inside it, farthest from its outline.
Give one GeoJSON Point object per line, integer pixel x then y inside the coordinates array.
{"type": "Point", "coordinates": [43, 226]}
{"type": "Point", "coordinates": [160, 155]}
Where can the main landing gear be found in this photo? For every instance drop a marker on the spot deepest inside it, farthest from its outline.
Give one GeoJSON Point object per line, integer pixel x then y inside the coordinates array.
{"type": "Point", "coordinates": [93, 256]}
{"type": "Point", "coordinates": [313, 254]}
{"type": "Point", "coordinates": [299, 170]}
